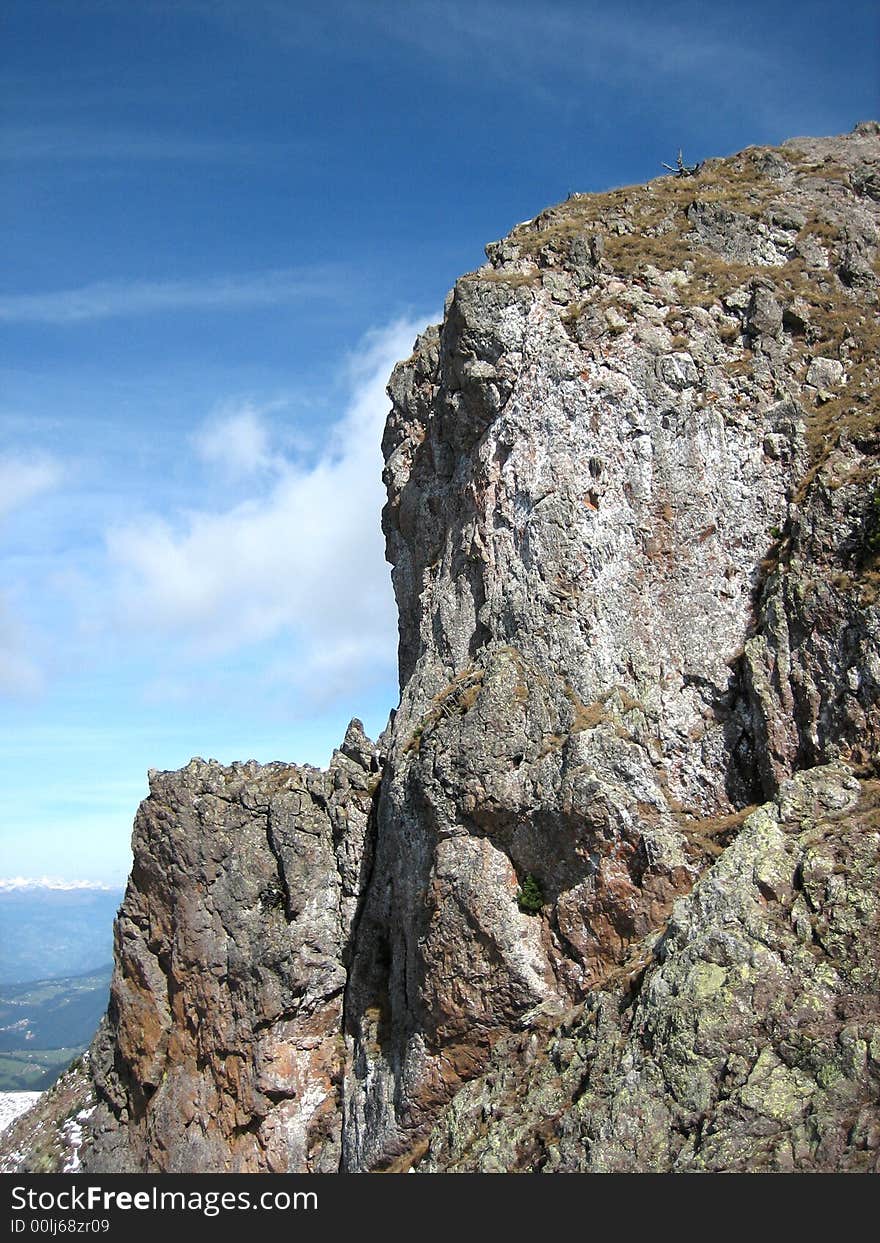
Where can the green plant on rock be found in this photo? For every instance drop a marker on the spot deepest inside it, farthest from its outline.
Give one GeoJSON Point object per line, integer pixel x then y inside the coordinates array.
{"type": "Point", "coordinates": [530, 898]}
{"type": "Point", "coordinates": [871, 527]}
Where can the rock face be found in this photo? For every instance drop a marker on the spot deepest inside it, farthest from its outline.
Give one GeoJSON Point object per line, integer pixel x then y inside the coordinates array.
{"type": "Point", "coordinates": [634, 522]}
{"type": "Point", "coordinates": [753, 1041]}
{"type": "Point", "coordinates": [223, 1047]}
{"type": "Point", "coordinates": [631, 529]}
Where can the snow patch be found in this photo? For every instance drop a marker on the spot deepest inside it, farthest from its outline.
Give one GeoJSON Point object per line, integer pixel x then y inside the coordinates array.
{"type": "Point", "coordinates": [14, 1103]}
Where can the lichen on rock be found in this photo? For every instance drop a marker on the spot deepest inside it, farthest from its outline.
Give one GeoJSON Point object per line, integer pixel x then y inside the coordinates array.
{"type": "Point", "coordinates": [751, 1042]}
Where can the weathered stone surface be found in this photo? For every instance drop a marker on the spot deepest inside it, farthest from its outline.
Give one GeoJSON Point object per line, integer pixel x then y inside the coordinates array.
{"type": "Point", "coordinates": [223, 1050]}
{"type": "Point", "coordinates": [634, 522]}
{"type": "Point", "coordinates": [812, 667]}
{"type": "Point", "coordinates": [628, 559]}
{"type": "Point", "coordinates": [753, 1040]}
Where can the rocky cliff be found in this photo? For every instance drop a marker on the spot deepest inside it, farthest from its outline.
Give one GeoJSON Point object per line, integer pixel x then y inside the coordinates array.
{"type": "Point", "coordinates": [604, 895]}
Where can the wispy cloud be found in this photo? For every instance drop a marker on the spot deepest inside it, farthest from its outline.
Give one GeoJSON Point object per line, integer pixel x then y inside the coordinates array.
{"type": "Point", "coordinates": [559, 42]}
{"type": "Point", "coordinates": [534, 47]}
{"type": "Point", "coordinates": [106, 299]}
{"type": "Point", "coordinates": [10, 884]}
{"type": "Point", "coordinates": [22, 479]}
{"type": "Point", "coordinates": [236, 438]}
{"type": "Point", "coordinates": [302, 555]}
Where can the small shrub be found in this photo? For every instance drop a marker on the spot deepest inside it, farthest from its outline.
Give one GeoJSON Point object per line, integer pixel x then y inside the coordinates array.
{"type": "Point", "coordinates": [871, 528]}
{"type": "Point", "coordinates": [530, 898]}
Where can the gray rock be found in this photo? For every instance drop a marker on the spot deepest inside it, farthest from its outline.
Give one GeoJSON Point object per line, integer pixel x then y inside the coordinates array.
{"type": "Point", "coordinates": [765, 313]}
{"type": "Point", "coordinates": [825, 373]}
{"type": "Point", "coordinates": [585, 672]}
{"type": "Point", "coordinates": [745, 1038]}
{"type": "Point", "coordinates": [224, 1049]}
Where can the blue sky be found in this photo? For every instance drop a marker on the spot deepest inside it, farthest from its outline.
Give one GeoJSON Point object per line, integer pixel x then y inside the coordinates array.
{"type": "Point", "coordinates": [224, 220]}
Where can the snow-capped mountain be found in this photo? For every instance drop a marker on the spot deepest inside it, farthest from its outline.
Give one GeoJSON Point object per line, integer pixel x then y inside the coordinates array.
{"type": "Point", "coordinates": [9, 884]}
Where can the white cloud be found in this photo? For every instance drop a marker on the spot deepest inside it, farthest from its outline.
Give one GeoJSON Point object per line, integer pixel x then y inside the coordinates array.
{"type": "Point", "coordinates": [304, 555]}
{"type": "Point", "coordinates": [21, 479]}
{"type": "Point", "coordinates": [19, 676]}
{"type": "Point", "coordinates": [535, 48]}
{"type": "Point", "coordinates": [615, 44]}
{"type": "Point", "coordinates": [236, 439]}
{"type": "Point", "coordinates": [105, 299]}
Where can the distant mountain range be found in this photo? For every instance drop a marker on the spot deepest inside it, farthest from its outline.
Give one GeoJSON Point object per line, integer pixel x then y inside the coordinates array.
{"type": "Point", "coordinates": [10, 883]}
{"type": "Point", "coordinates": [53, 929]}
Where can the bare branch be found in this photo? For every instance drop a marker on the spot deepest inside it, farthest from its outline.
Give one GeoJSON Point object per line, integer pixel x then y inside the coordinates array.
{"type": "Point", "coordinates": [680, 169]}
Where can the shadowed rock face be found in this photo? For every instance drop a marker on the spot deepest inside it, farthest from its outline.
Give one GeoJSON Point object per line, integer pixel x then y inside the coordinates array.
{"type": "Point", "coordinates": [634, 528]}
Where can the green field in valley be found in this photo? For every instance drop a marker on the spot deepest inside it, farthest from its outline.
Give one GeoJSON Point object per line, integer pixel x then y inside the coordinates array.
{"type": "Point", "coordinates": [45, 1024]}
{"type": "Point", "coordinates": [32, 1072]}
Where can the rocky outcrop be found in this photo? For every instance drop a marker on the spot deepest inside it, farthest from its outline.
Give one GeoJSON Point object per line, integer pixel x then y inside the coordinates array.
{"type": "Point", "coordinates": [223, 1046]}
{"type": "Point", "coordinates": [604, 899]}
{"type": "Point", "coordinates": [750, 1038]}
{"type": "Point", "coordinates": [631, 489]}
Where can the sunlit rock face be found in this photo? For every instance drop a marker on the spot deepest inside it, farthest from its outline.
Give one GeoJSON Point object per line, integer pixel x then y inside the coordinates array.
{"type": "Point", "coordinates": [634, 523]}
{"type": "Point", "coordinates": [630, 515]}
